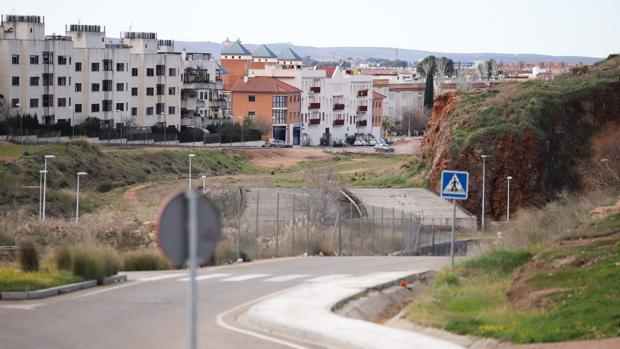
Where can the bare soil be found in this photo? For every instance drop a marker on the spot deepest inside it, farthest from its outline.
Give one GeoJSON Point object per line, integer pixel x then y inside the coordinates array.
{"type": "Point", "coordinates": [283, 157]}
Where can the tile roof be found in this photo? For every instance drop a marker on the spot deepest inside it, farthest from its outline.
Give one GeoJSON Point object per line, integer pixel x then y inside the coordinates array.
{"type": "Point", "coordinates": [263, 84]}
{"type": "Point", "coordinates": [377, 95]}
{"type": "Point", "coordinates": [236, 49]}
{"type": "Point", "coordinates": [264, 52]}
{"type": "Point", "coordinates": [289, 55]}
{"type": "Point", "coordinates": [329, 71]}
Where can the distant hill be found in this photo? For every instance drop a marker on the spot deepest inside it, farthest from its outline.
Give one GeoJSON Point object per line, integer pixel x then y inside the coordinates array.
{"type": "Point", "coordinates": [331, 53]}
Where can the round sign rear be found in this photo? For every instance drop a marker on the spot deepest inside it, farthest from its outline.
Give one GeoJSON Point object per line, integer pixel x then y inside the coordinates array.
{"type": "Point", "coordinates": [173, 228]}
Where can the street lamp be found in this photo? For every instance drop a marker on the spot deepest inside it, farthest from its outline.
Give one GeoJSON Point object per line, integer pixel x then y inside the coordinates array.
{"type": "Point", "coordinates": [77, 197]}
{"type": "Point", "coordinates": [484, 170]}
{"type": "Point", "coordinates": [46, 157]}
{"type": "Point", "coordinates": [41, 172]}
{"type": "Point", "coordinates": [508, 200]}
{"type": "Point", "coordinates": [189, 180]}
{"type": "Point", "coordinates": [204, 184]}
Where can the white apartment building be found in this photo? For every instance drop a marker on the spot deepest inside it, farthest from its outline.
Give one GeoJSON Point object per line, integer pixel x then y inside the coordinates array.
{"type": "Point", "coordinates": [135, 82]}
{"type": "Point", "coordinates": [334, 106]}
{"type": "Point", "coordinates": [401, 96]}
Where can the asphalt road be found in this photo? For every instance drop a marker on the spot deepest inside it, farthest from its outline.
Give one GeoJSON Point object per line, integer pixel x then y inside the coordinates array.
{"type": "Point", "coordinates": [150, 310]}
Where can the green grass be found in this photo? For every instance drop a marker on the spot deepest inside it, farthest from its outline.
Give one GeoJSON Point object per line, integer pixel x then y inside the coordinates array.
{"type": "Point", "coordinates": [471, 299]}
{"type": "Point", "coordinates": [12, 279]}
{"type": "Point", "coordinates": [11, 150]}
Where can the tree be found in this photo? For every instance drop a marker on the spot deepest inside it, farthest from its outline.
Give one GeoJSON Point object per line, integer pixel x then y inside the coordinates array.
{"type": "Point", "coordinates": [386, 125]}
{"type": "Point", "coordinates": [413, 119]}
{"type": "Point", "coordinates": [429, 89]}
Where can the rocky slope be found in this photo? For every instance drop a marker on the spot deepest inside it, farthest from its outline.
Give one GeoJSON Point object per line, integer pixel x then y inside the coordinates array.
{"type": "Point", "coordinates": [538, 132]}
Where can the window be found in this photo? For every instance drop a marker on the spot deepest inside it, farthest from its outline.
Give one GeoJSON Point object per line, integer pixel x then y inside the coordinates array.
{"type": "Point", "coordinates": [251, 98]}
{"type": "Point", "coordinates": [34, 102]}
{"type": "Point", "coordinates": [94, 108]}
{"type": "Point", "coordinates": [134, 71]}
{"type": "Point", "coordinates": [149, 110]}
{"type": "Point", "coordinates": [172, 91]}
{"type": "Point", "coordinates": [150, 72]}
{"type": "Point", "coordinates": [106, 85]}
{"type": "Point", "coordinates": [160, 70]}
{"type": "Point", "coordinates": [48, 79]}
{"type": "Point", "coordinates": [94, 87]}
{"type": "Point", "coordinates": [120, 107]}
{"type": "Point", "coordinates": [48, 100]}
{"type": "Point", "coordinates": [62, 60]}
{"type": "Point", "coordinates": [251, 115]}
{"type": "Point", "coordinates": [48, 58]}
{"type": "Point", "coordinates": [34, 59]}
{"type": "Point", "coordinates": [107, 65]}
{"type": "Point", "coordinates": [279, 101]}
{"type": "Point", "coordinates": [172, 110]}
{"type": "Point", "coordinates": [149, 91]}
{"type": "Point", "coordinates": [94, 67]}
{"type": "Point", "coordinates": [15, 103]}
{"type": "Point", "coordinates": [78, 87]}
{"type": "Point", "coordinates": [160, 89]}
{"type": "Point", "coordinates": [159, 108]}
{"type": "Point", "coordinates": [78, 108]}
{"type": "Point", "coordinates": [15, 80]}
{"type": "Point", "coordinates": [120, 66]}
{"type": "Point", "coordinates": [279, 116]}
{"type": "Point", "coordinates": [106, 105]}
{"type": "Point", "coordinates": [120, 86]}
{"type": "Point", "coordinates": [134, 91]}
{"type": "Point", "coordinates": [34, 81]}
{"type": "Point", "coordinates": [172, 72]}
{"type": "Point", "coordinates": [134, 111]}
{"type": "Point", "coordinates": [62, 81]}
{"type": "Point", "coordinates": [78, 66]}
{"type": "Point", "coordinates": [62, 102]}
{"type": "Point", "coordinates": [15, 59]}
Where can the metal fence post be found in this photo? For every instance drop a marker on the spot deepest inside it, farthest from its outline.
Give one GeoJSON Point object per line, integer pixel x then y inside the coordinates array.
{"type": "Point", "coordinates": [411, 228]}
{"type": "Point", "coordinates": [393, 228]}
{"type": "Point", "coordinates": [256, 240]}
{"type": "Point", "coordinates": [382, 231]}
{"type": "Point", "coordinates": [372, 232]}
{"type": "Point", "coordinates": [277, 221]}
{"type": "Point", "coordinates": [351, 227]}
{"type": "Point", "coordinates": [239, 224]}
{"type": "Point", "coordinates": [339, 230]}
{"type": "Point", "coordinates": [293, 229]}
{"type": "Point", "coordinates": [402, 232]}
{"type": "Point", "coordinates": [307, 222]}
{"type": "Point", "coordinates": [433, 236]}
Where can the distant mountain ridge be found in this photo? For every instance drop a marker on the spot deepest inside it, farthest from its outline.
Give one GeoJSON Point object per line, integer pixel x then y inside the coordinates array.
{"type": "Point", "coordinates": [331, 53]}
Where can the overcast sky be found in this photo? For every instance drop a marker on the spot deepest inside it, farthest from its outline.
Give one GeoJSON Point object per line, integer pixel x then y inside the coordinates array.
{"type": "Point", "coordinates": [555, 27]}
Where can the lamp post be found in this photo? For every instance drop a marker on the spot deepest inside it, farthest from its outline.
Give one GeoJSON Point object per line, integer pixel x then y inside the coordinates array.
{"type": "Point", "coordinates": [189, 179]}
{"type": "Point", "coordinates": [77, 197]}
{"type": "Point", "coordinates": [484, 170]}
{"type": "Point", "coordinates": [41, 172]}
{"type": "Point", "coordinates": [46, 157]}
{"type": "Point", "coordinates": [204, 184]}
{"type": "Point", "coordinates": [508, 200]}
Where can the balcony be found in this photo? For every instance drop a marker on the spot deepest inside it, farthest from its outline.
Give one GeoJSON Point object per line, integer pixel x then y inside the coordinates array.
{"type": "Point", "coordinates": [362, 93]}
{"type": "Point", "coordinates": [362, 123]}
{"type": "Point", "coordinates": [316, 121]}
{"type": "Point", "coordinates": [339, 122]}
{"type": "Point", "coordinates": [314, 105]}
{"type": "Point", "coordinates": [362, 108]}
{"type": "Point", "coordinates": [338, 106]}
{"type": "Point", "coordinates": [315, 89]}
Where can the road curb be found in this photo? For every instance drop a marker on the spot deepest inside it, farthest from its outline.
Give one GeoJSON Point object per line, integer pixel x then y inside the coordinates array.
{"type": "Point", "coordinates": [54, 291]}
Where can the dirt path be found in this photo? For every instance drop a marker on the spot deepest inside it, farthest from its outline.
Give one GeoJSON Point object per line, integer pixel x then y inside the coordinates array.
{"type": "Point", "coordinates": [130, 194]}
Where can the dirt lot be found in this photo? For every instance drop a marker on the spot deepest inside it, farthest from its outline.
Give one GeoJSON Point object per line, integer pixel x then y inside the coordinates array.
{"type": "Point", "coordinates": [283, 157]}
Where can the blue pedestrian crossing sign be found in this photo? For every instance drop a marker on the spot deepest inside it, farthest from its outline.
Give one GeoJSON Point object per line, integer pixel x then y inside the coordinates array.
{"type": "Point", "coordinates": [454, 184]}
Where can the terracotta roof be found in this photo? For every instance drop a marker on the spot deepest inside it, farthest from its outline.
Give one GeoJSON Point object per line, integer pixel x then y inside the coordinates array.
{"type": "Point", "coordinates": [329, 71]}
{"type": "Point", "coordinates": [412, 86]}
{"type": "Point", "coordinates": [377, 95]}
{"type": "Point", "coordinates": [263, 84]}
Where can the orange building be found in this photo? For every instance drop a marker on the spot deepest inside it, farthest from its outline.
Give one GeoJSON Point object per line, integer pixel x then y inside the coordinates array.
{"type": "Point", "coordinates": [377, 109]}
{"type": "Point", "coordinates": [273, 106]}
{"type": "Point", "coordinates": [236, 60]}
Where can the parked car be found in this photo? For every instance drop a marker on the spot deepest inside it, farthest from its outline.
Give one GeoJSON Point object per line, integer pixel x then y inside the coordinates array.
{"type": "Point", "coordinates": [380, 147]}
{"type": "Point", "coordinates": [340, 144]}
{"type": "Point", "coordinates": [372, 142]}
{"type": "Point", "coordinates": [276, 143]}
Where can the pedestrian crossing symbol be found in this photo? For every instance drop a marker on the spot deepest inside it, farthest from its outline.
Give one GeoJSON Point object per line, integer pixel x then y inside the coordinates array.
{"type": "Point", "coordinates": [454, 184]}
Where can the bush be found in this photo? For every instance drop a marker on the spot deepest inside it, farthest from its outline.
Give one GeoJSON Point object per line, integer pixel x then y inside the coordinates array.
{"type": "Point", "coordinates": [28, 255]}
{"type": "Point", "coordinates": [105, 187]}
{"type": "Point", "coordinates": [94, 263]}
{"type": "Point", "coordinates": [499, 261]}
{"type": "Point", "coordinates": [62, 257]}
{"type": "Point", "coordinates": [145, 260]}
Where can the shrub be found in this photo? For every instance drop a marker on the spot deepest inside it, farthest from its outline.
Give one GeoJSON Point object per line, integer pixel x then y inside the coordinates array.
{"type": "Point", "coordinates": [105, 187]}
{"type": "Point", "coordinates": [28, 255]}
{"type": "Point", "coordinates": [62, 257]}
{"type": "Point", "coordinates": [94, 263]}
{"type": "Point", "coordinates": [499, 261]}
{"type": "Point", "coordinates": [145, 260]}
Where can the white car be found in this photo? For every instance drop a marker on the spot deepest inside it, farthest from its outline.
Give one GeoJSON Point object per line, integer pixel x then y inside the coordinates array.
{"type": "Point", "coordinates": [372, 142]}
{"type": "Point", "coordinates": [358, 143]}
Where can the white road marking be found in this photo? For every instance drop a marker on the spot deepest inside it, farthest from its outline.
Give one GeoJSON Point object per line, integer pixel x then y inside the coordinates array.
{"type": "Point", "coordinates": [22, 306]}
{"type": "Point", "coordinates": [245, 277]}
{"type": "Point", "coordinates": [219, 320]}
{"type": "Point", "coordinates": [207, 277]}
{"type": "Point", "coordinates": [289, 277]}
{"type": "Point", "coordinates": [159, 277]}
{"type": "Point", "coordinates": [327, 278]}
{"type": "Point", "coordinates": [127, 284]}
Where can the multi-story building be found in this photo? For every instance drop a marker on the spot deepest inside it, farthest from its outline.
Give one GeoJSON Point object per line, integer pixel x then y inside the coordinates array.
{"type": "Point", "coordinates": [401, 97]}
{"type": "Point", "coordinates": [270, 104]}
{"type": "Point", "coordinates": [136, 81]}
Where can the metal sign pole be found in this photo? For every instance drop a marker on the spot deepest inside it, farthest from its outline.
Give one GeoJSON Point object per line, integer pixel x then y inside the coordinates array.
{"type": "Point", "coordinates": [193, 237]}
{"type": "Point", "coordinates": [453, 233]}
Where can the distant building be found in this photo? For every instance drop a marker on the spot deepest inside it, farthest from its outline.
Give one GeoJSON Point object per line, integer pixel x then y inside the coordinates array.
{"type": "Point", "coordinates": [401, 96]}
